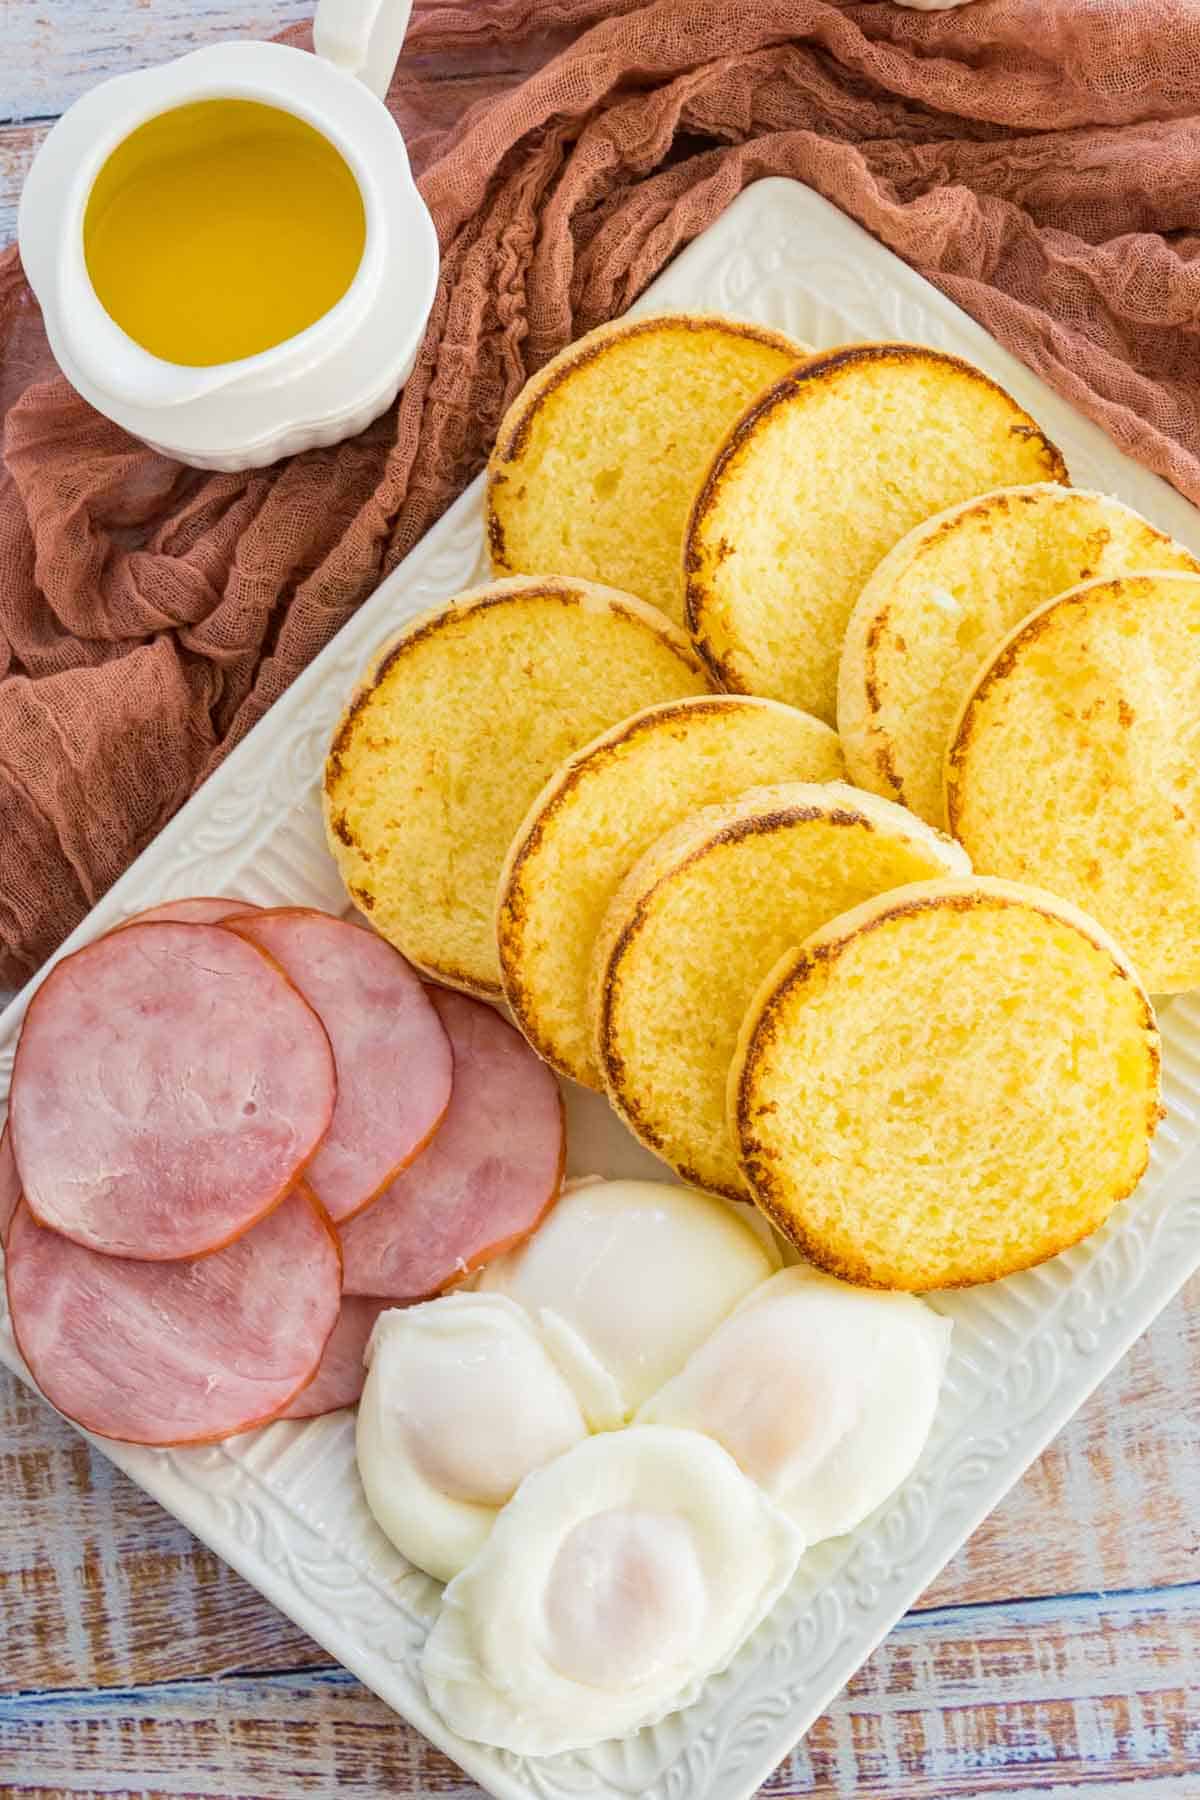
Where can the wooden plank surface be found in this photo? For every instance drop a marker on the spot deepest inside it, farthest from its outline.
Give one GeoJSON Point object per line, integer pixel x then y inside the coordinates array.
{"type": "Point", "coordinates": [1031, 1704]}
{"type": "Point", "coordinates": [98, 1585]}
{"type": "Point", "coordinates": [1059, 1654]}
{"type": "Point", "coordinates": [1062, 1645]}
{"type": "Point", "coordinates": [57, 49]}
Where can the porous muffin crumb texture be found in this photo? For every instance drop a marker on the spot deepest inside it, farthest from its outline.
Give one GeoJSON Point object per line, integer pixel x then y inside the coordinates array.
{"type": "Point", "coordinates": [598, 459]}
{"type": "Point", "coordinates": [945, 597]}
{"type": "Point", "coordinates": [953, 1082]}
{"type": "Point", "coordinates": [1076, 764]}
{"type": "Point", "coordinates": [598, 814]}
{"type": "Point", "coordinates": [451, 734]}
{"type": "Point", "coordinates": [816, 483]}
{"type": "Point", "coordinates": [699, 922]}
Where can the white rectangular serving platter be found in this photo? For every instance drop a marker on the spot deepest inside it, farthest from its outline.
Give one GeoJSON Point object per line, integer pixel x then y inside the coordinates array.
{"type": "Point", "coordinates": [283, 1505]}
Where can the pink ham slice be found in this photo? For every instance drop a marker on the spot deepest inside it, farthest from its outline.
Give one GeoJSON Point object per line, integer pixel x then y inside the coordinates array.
{"type": "Point", "coordinates": [170, 1086]}
{"type": "Point", "coordinates": [180, 1352]}
{"type": "Point", "coordinates": [200, 909]}
{"type": "Point", "coordinates": [339, 1380]}
{"type": "Point", "coordinates": [393, 1059]}
{"type": "Point", "coordinates": [10, 1183]}
{"type": "Point", "coordinates": [486, 1179]}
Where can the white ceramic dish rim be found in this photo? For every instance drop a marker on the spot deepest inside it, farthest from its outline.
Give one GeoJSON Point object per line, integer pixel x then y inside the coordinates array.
{"type": "Point", "coordinates": [1027, 1352]}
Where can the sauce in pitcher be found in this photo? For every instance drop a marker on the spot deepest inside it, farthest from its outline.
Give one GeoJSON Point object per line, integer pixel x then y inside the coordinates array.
{"type": "Point", "coordinates": [220, 228]}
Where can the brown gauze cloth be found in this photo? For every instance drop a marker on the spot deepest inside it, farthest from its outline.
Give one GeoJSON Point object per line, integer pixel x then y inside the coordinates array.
{"type": "Point", "coordinates": [1039, 160]}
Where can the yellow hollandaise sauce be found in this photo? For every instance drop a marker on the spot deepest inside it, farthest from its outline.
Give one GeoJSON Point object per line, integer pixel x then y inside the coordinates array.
{"type": "Point", "coordinates": [219, 229]}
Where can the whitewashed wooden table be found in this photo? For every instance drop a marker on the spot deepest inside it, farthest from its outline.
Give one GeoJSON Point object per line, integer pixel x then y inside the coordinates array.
{"type": "Point", "coordinates": [1059, 1654]}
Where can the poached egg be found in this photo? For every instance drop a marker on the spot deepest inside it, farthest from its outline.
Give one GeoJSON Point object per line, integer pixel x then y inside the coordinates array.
{"type": "Point", "coordinates": [619, 1578]}
{"type": "Point", "coordinates": [625, 1279]}
{"type": "Point", "coordinates": [460, 1402]}
{"type": "Point", "coordinates": [822, 1393]}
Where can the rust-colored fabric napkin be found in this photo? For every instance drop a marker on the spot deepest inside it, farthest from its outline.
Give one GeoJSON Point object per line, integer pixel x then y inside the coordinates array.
{"type": "Point", "coordinates": [1038, 159]}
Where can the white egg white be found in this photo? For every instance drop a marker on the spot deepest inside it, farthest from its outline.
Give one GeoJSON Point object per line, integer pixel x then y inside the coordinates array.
{"type": "Point", "coordinates": [625, 1279]}
{"type": "Point", "coordinates": [822, 1393]}
{"type": "Point", "coordinates": [618, 1579]}
{"type": "Point", "coordinates": [460, 1402]}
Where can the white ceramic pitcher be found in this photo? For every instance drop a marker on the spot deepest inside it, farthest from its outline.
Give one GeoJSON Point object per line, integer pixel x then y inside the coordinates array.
{"type": "Point", "coordinates": [325, 382]}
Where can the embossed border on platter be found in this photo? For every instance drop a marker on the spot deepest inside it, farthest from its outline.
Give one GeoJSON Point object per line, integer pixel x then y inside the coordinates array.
{"type": "Point", "coordinates": [282, 1505]}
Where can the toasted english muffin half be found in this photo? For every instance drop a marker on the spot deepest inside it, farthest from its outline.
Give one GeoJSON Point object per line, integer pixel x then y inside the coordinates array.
{"type": "Point", "coordinates": [1075, 763]}
{"type": "Point", "coordinates": [951, 1082]}
{"type": "Point", "coordinates": [452, 731]}
{"type": "Point", "coordinates": [945, 597]}
{"type": "Point", "coordinates": [598, 814]}
{"type": "Point", "coordinates": [599, 456]}
{"type": "Point", "coordinates": [699, 921]}
{"type": "Point", "coordinates": [812, 487]}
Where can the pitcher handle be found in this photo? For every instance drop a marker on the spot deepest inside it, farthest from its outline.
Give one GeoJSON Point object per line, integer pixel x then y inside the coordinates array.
{"type": "Point", "coordinates": [363, 37]}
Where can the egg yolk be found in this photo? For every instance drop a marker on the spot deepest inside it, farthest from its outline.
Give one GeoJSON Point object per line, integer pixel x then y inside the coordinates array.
{"type": "Point", "coordinates": [625, 1598]}
{"type": "Point", "coordinates": [478, 1414]}
{"type": "Point", "coordinates": [777, 1390]}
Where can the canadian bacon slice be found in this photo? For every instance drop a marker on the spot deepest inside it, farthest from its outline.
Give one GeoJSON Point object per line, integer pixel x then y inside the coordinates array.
{"type": "Point", "coordinates": [170, 1086]}
{"type": "Point", "coordinates": [195, 909]}
{"type": "Point", "coordinates": [393, 1059]}
{"type": "Point", "coordinates": [176, 1352]}
{"type": "Point", "coordinates": [486, 1180]}
{"type": "Point", "coordinates": [339, 1380]}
